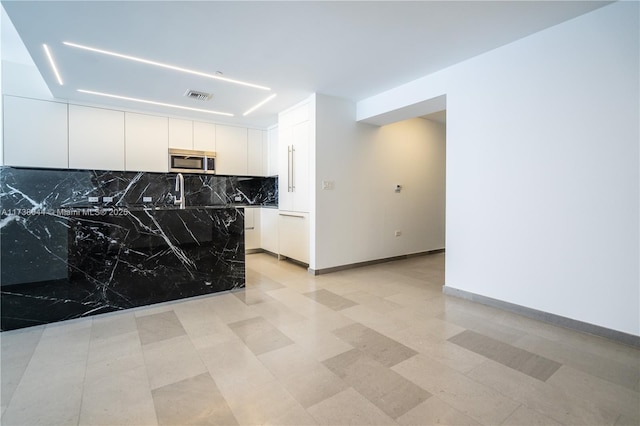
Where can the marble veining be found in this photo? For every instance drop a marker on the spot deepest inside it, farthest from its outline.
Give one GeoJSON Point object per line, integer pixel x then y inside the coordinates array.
{"type": "Point", "coordinates": [65, 257]}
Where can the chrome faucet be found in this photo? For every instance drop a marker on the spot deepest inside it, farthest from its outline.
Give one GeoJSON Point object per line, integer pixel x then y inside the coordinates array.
{"type": "Point", "coordinates": [180, 188]}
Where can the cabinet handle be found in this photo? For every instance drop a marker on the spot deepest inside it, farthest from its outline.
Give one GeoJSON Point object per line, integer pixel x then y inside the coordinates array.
{"type": "Point", "coordinates": [249, 229]}
{"type": "Point", "coordinates": [289, 160]}
{"type": "Point", "coordinates": [291, 215]}
{"type": "Point", "coordinates": [293, 168]}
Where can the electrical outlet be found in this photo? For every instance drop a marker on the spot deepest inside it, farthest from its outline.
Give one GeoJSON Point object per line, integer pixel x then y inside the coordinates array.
{"type": "Point", "coordinates": [327, 185]}
{"type": "Point", "coordinates": [398, 233]}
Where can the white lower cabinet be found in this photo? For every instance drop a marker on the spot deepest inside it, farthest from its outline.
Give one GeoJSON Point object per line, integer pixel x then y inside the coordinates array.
{"type": "Point", "coordinates": [269, 229]}
{"type": "Point", "coordinates": [96, 138]}
{"type": "Point", "coordinates": [146, 143]}
{"type": "Point", "coordinates": [293, 235]}
{"type": "Point", "coordinates": [252, 228]}
{"type": "Point", "coordinates": [35, 133]}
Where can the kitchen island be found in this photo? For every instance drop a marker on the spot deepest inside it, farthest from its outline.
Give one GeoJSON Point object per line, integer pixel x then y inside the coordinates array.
{"type": "Point", "coordinates": [102, 260]}
{"type": "Point", "coordinates": [64, 255]}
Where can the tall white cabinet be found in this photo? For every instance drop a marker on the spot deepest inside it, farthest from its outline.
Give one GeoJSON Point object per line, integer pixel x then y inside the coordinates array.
{"type": "Point", "coordinates": [35, 133]}
{"type": "Point", "coordinates": [294, 140]}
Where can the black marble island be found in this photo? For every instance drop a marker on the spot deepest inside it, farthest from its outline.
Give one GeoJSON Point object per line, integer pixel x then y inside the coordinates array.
{"type": "Point", "coordinates": [62, 257]}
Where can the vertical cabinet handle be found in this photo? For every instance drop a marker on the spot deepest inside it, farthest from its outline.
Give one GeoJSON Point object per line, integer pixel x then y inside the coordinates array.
{"type": "Point", "coordinates": [288, 168]}
{"type": "Point", "coordinates": [293, 168]}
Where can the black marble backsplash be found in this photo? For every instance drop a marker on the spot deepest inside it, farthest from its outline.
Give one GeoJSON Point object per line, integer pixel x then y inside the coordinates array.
{"type": "Point", "coordinates": [53, 189]}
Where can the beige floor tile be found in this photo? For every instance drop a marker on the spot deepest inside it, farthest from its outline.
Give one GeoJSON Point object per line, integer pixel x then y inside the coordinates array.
{"type": "Point", "coordinates": [252, 296]}
{"type": "Point", "coordinates": [169, 361]}
{"type": "Point", "coordinates": [330, 300]}
{"type": "Point", "coordinates": [265, 403]}
{"type": "Point", "coordinates": [385, 388]}
{"type": "Point", "coordinates": [259, 335]}
{"type": "Point", "coordinates": [298, 303]}
{"type": "Point", "coordinates": [601, 393]}
{"type": "Point", "coordinates": [228, 308]}
{"type": "Point", "coordinates": [558, 404]}
{"type": "Point", "coordinates": [114, 347]}
{"type": "Point", "coordinates": [476, 400]}
{"type": "Point", "coordinates": [329, 321]}
{"type": "Point", "coordinates": [319, 343]}
{"type": "Point", "coordinates": [373, 302]}
{"type": "Point", "coordinates": [17, 348]}
{"type": "Point", "coordinates": [524, 416]}
{"type": "Point", "coordinates": [445, 352]}
{"type": "Point", "coordinates": [521, 360]}
{"type": "Point", "coordinates": [305, 378]}
{"type": "Point", "coordinates": [234, 367]}
{"type": "Point", "coordinates": [576, 357]}
{"type": "Point", "coordinates": [48, 394]}
{"type": "Point", "coordinates": [434, 411]}
{"type": "Point", "coordinates": [203, 327]}
{"type": "Point", "coordinates": [117, 394]}
{"type": "Point", "coordinates": [382, 323]}
{"type": "Point", "coordinates": [158, 327]}
{"type": "Point", "coordinates": [480, 320]}
{"type": "Point", "coordinates": [441, 330]}
{"type": "Point", "coordinates": [277, 313]}
{"type": "Point", "coordinates": [192, 401]}
{"type": "Point", "coordinates": [315, 385]}
{"type": "Point", "coordinates": [113, 324]}
{"type": "Point", "coordinates": [349, 408]}
{"type": "Point", "coordinates": [379, 347]}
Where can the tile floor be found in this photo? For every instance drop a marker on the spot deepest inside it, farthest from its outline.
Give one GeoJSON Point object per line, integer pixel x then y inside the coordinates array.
{"type": "Point", "coordinates": [378, 345]}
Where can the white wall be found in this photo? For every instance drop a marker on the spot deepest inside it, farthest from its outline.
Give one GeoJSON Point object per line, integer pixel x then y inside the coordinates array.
{"type": "Point", "coordinates": [542, 169]}
{"type": "Point", "coordinates": [355, 221]}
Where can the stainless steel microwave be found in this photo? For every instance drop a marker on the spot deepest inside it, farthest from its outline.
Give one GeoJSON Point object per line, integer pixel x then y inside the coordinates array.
{"type": "Point", "coordinates": [188, 161]}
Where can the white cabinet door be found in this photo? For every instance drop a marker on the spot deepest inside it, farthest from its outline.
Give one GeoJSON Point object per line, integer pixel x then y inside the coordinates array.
{"type": "Point", "coordinates": [285, 194]}
{"type": "Point", "coordinates": [251, 228]}
{"type": "Point", "coordinates": [300, 166]}
{"type": "Point", "coordinates": [257, 153]}
{"type": "Point", "coordinates": [231, 150]}
{"type": "Point", "coordinates": [96, 138]}
{"type": "Point", "coordinates": [269, 229]}
{"type": "Point", "coordinates": [204, 136]}
{"type": "Point", "coordinates": [180, 133]}
{"type": "Point", "coordinates": [35, 133]}
{"type": "Point", "coordinates": [293, 158]}
{"type": "Point", "coordinates": [272, 151]}
{"type": "Point", "coordinates": [146, 143]}
{"type": "Point", "coordinates": [293, 231]}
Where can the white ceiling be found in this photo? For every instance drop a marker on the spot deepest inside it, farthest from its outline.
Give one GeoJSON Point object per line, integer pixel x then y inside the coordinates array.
{"type": "Point", "coordinates": [351, 50]}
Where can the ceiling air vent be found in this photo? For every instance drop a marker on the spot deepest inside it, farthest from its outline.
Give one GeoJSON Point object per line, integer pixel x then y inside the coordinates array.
{"type": "Point", "coordinates": [198, 96]}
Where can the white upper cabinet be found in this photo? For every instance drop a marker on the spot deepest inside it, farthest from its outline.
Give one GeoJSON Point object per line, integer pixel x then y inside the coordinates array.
{"type": "Point", "coordinates": [204, 136]}
{"type": "Point", "coordinates": [146, 143]}
{"type": "Point", "coordinates": [180, 133]}
{"type": "Point", "coordinates": [257, 153]}
{"type": "Point", "coordinates": [231, 150]}
{"type": "Point", "coordinates": [96, 138]}
{"type": "Point", "coordinates": [272, 151]}
{"type": "Point", "coordinates": [294, 138]}
{"type": "Point", "coordinates": [35, 133]}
